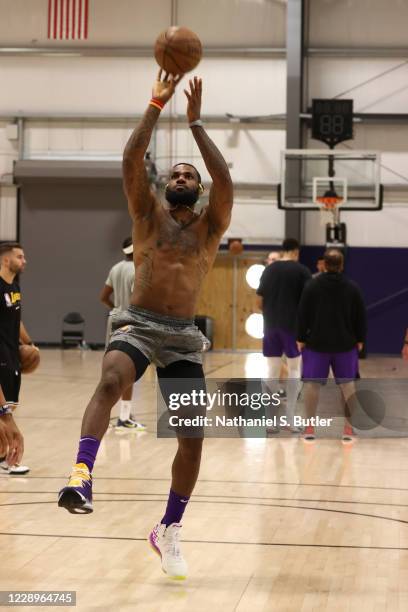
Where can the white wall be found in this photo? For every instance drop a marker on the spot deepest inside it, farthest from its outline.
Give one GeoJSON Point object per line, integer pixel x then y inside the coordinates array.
{"type": "Point", "coordinates": [8, 193]}
{"type": "Point", "coordinates": [365, 23]}
{"type": "Point", "coordinates": [330, 76]}
{"type": "Point", "coordinates": [120, 86]}
{"type": "Point", "coordinates": [386, 228]}
{"type": "Point", "coordinates": [92, 85]}
{"type": "Point", "coordinates": [358, 23]}
{"type": "Point", "coordinates": [254, 23]}
{"type": "Point", "coordinates": [8, 212]}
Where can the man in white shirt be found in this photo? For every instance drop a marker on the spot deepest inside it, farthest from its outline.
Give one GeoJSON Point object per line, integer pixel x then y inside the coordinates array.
{"type": "Point", "coordinates": [119, 285]}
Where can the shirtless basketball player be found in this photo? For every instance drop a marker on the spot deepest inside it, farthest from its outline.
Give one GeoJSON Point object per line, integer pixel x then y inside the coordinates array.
{"type": "Point", "coordinates": [174, 247]}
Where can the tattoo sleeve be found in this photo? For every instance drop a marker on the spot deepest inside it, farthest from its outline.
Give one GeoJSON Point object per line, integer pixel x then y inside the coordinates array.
{"type": "Point", "coordinates": [135, 179]}
{"type": "Point", "coordinates": [221, 194]}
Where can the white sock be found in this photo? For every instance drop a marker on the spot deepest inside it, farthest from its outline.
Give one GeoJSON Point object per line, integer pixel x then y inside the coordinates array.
{"type": "Point", "coordinates": [132, 410]}
{"type": "Point", "coordinates": [125, 408]}
{"type": "Point", "coordinates": [293, 386]}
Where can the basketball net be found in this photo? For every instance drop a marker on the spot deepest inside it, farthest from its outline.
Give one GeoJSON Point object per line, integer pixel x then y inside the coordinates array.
{"type": "Point", "coordinates": [329, 209]}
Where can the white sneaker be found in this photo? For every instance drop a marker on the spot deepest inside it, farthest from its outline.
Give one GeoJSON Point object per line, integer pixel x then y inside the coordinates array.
{"type": "Point", "coordinates": [139, 426]}
{"type": "Point", "coordinates": [13, 469]}
{"type": "Point", "coordinates": [165, 542]}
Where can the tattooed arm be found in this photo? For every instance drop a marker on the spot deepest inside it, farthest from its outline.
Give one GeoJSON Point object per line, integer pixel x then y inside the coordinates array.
{"type": "Point", "coordinates": [135, 180]}
{"type": "Point", "coordinates": [221, 192]}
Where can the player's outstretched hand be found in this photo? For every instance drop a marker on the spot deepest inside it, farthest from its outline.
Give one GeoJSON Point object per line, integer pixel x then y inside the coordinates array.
{"type": "Point", "coordinates": [165, 86]}
{"type": "Point", "coordinates": [194, 99]}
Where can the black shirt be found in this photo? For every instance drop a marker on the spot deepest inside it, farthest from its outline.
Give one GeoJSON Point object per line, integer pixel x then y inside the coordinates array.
{"type": "Point", "coordinates": [10, 317]}
{"type": "Point", "coordinates": [281, 286]}
{"type": "Point", "coordinates": [331, 315]}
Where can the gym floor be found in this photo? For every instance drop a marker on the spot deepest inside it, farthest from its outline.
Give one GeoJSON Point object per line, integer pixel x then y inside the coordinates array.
{"type": "Point", "coordinates": [274, 524]}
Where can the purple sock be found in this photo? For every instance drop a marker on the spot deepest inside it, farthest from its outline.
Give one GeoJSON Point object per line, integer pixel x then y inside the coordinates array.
{"type": "Point", "coordinates": [175, 508]}
{"type": "Point", "coordinates": [88, 447]}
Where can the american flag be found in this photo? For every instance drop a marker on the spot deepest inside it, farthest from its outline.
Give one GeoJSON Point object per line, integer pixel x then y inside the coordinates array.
{"type": "Point", "coordinates": [68, 19]}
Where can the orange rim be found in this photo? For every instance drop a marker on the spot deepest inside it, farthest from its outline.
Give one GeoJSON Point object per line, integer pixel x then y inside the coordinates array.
{"type": "Point", "coordinates": [329, 203]}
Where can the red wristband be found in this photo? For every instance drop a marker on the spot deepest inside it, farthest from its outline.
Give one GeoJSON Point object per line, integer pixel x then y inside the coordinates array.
{"type": "Point", "coordinates": [157, 103]}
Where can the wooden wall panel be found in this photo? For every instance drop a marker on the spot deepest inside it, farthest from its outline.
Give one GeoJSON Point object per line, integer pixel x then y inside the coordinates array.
{"type": "Point", "coordinates": [216, 300]}
{"type": "Point", "coordinates": [246, 305]}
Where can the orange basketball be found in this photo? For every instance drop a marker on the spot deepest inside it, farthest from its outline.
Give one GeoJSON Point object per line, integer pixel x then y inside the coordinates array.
{"type": "Point", "coordinates": [236, 247]}
{"type": "Point", "coordinates": [29, 358]}
{"type": "Point", "coordinates": [177, 50]}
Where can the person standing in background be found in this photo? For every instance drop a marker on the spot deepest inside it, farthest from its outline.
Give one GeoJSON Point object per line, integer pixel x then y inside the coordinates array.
{"type": "Point", "coordinates": [12, 331]}
{"type": "Point", "coordinates": [272, 257]}
{"type": "Point", "coordinates": [331, 330]}
{"type": "Point", "coordinates": [279, 292]}
{"type": "Point", "coordinates": [119, 285]}
{"type": "Point", "coordinates": [320, 267]}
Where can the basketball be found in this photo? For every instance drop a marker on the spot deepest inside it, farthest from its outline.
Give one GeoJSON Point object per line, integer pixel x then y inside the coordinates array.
{"type": "Point", "coordinates": [235, 247]}
{"type": "Point", "coordinates": [29, 358]}
{"type": "Point", "coordinates": [177, 50]}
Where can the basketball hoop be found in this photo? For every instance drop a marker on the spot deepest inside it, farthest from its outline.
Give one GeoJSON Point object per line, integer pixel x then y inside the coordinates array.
{"type": "Point", "coordinates": [329, 208]}
{"type": "Point", "coordinates": [329, 203]}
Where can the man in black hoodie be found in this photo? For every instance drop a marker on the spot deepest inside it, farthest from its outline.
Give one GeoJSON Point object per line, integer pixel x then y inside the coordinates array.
{"type": "Point", "coordinates": [331, 329]}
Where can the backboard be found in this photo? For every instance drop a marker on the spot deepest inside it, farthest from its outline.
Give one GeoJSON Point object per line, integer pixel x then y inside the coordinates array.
{"type": "Point", "coordinates": [309, 175]}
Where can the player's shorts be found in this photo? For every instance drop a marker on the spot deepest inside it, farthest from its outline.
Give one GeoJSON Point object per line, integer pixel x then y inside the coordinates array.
{"type": "Point", "coordinates": [161, 339]}
{"type": "Point", "coordinates": [278, 342]}
{"type": "Point", "coordinates": [109, 325]}
{"type": "Point", "coordinates": [316, 366]}
{"type": "Point", "coordinates": [10, 377]}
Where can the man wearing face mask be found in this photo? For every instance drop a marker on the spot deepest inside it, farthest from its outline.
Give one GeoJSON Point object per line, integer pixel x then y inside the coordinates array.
{"type": "Point", "coordinates": [174, 248]}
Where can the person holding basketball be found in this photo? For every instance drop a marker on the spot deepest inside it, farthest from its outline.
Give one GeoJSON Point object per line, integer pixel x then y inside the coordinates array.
{"type": "Point", "coordinates": [174, 248]}
{"type": "Point", "coordinates": [11, 331]}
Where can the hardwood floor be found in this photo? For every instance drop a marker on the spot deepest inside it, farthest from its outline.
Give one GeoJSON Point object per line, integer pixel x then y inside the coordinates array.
{"type": "Point", "coordinates": [275, 524]}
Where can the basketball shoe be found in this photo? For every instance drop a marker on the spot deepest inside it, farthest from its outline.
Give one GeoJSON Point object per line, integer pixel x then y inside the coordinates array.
{"type": "Point", "coordinates": [130, 424]}
{"type": "Point", "coordinates": [15, 470]}
{"type": "Point", "coordinates": [348, 433]}
{"type": "Point", "coordinates": [309, 433]}
{"type": "Point", "coordinates": [76, 497]}
{"type": "Point", "coordinates": [165, 542]}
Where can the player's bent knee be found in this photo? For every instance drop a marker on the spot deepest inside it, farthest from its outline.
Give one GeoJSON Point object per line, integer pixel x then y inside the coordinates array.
{"type": "Point", "coordinates": [111, 384]}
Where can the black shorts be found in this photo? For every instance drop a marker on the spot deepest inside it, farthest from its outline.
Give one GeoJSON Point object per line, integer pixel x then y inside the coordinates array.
{"type": "Point", "coordinates": [10, 381]}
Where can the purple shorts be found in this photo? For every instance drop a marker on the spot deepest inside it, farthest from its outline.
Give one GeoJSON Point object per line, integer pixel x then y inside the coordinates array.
{"type": "Point", "coordinates": [277, 342]}
{"type": "Point", "coordinates": [316, 366]}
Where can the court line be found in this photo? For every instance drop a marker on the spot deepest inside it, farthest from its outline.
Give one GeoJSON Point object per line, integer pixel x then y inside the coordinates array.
{"type": "Point", "coordinates": [258, 482]}
{"type": "Point", "coordinates": [164, 495]}
{"type": "Point", "coordinates": [227, 542]}
{"type": "Point", "coordinates": [231, 503]}
{"type": "Point", "coordinates": [244, 591]}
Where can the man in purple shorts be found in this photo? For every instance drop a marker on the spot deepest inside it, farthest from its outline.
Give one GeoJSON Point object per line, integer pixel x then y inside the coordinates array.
{"type": "Point", "coordinates": [331, 329]}
{"type": "Point", "coordinates": [279, 292]}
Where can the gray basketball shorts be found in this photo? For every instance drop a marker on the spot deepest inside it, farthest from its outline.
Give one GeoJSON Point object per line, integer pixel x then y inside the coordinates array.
{"type": "Point", "coordinates": [162, 339]}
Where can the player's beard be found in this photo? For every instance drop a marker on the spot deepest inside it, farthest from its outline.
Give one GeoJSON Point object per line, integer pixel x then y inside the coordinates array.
{"type": "Point", "coordinates": [187, 197]}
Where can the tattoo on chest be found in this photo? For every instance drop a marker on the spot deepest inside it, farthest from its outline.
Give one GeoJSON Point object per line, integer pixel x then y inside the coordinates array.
{"type": "Point", "coordinates": [185, 241]}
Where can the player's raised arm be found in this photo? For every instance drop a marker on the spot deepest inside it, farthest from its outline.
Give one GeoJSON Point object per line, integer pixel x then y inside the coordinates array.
{"type": "Point", "coordinates": [135, 180]}
{"type": "Point", "coordinates": [221, 193]}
